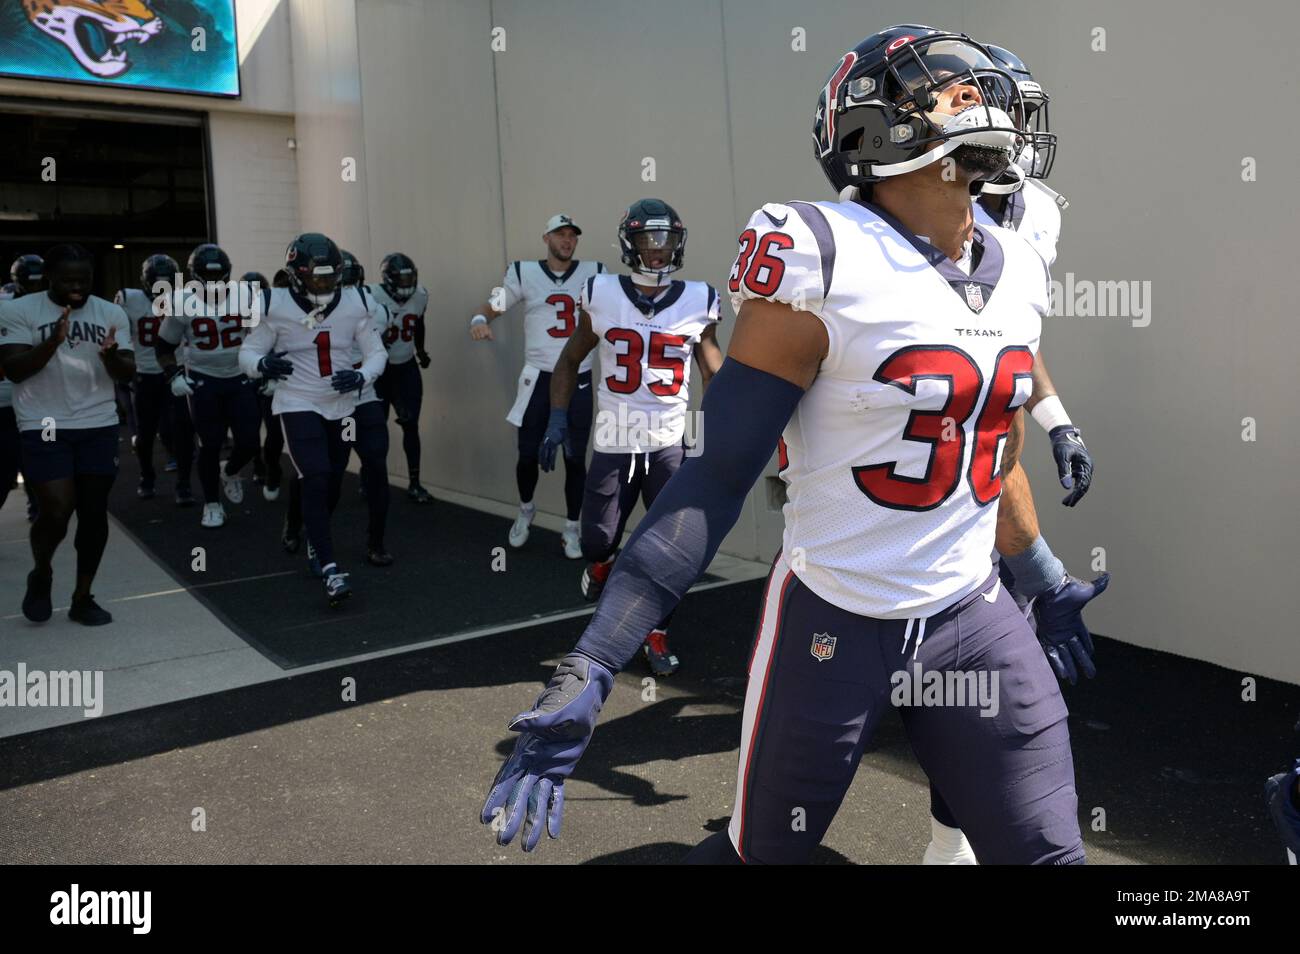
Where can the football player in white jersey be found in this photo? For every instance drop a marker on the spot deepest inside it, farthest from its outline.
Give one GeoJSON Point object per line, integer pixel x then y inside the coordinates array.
{"type": "Point", "coordinates": [27, 276]}
{"type": "Point", "coordinates": [304, 335]}
{"type": "Point", "coordinates": [63, 350]}
{"type": "Point", "coordinates": [1021, 201]}
{"type": "Point", "coordinates": [648, 328]}
{"type": "Point", "coordinates": [1018, 200]}
{"type": "Point", "coordinates": [399, 291]}
{"type": "Point", "coordinates": [888, 341]}
{"type": "Point", "coordinates": [157, 409]}
{"type": "Point", "coordinates": [219, 394]}
{"type": "Point", "coordinates": [549, 290]}
{"type": "Point", "coordinates": [372, 423]}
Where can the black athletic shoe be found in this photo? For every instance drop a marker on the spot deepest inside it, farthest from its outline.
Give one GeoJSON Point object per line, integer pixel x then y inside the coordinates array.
{"type": "Point", "coordinates": [89, 613]}
{"type": "Point", "coordinates": [418, 494]}
{"type": "Point", "coordinates": [36, 601]}
{"type": "Point", "coordinates": [145, 490]}
{"type": "Point", "coordinates": [183, 497]}
{"type": "Point", "coordinates": [379, 556]}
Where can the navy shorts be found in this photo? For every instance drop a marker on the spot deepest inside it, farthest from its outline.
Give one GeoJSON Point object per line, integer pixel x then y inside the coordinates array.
{"type": "Point", "coordinates": [538, 415]}
{"type": "Point", "coordinates": [820, 680]}
{"type": "Point", "coordinates": [75, 451]}
{"type": "Point", "coordinates": [402, 387]}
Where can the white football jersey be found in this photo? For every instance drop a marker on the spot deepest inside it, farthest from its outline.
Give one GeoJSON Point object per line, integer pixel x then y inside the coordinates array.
{"type": "Point", "coordinates": [379, 321]}
{"type": "Point", "coordinates": [645, 359]}
{"type": "Point", "coordinates": [318, 343]}
{"type": "Point", "coordinates": [145, 326]}
{"type": "Point", "coordinates": [400, 335]}
{"type": "Point", "coordinates": [74, 388]}
{"type": "Point", "coordinates": [550, 307]}
{"type": "Point", "coordinates": [211, 339]}
{"type": "Point", "coordinates": [1034, 215]}
{"type": "Point", "coordinates": [892, 458]}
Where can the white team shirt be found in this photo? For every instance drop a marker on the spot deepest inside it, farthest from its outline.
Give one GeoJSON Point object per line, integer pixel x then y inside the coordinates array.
{"type": "Point", "coordinates": [212, 339]}
{"type": "Point", "coordinates": [318, 343]}
{"type": "Point", "coordinates": [73, 388]}
{"type": "Point", "coordinates": [400, 335]}
{"type": "Point", "coordinates": [1034, 215]}
{"type": "Point", "coordinates": [379, 321]}
{"type": "Point", "coordinates": [892, 458]}
{"type": "Point", "coordinates": [145, 326]}
{"type": "Point", "coordinates": [550, 307]}
{"type": "Point", "coordinates": [645, 360]}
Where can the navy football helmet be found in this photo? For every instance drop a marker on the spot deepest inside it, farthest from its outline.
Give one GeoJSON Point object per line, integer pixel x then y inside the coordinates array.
{"type": "Point", "coordinates": [398, 276]}
{"type": "Point", "coordinates": [315, 267]}
{"type": "Point", "coordinates": [875, 114]}
{"type": "Point", "coordinates": [652, 225]}
{"type": "Point", "coordinates": [27, 274]}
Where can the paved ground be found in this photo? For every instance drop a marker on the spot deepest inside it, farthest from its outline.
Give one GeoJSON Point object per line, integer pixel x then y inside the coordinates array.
{"type": "Point", "coordinates": [210, 712]}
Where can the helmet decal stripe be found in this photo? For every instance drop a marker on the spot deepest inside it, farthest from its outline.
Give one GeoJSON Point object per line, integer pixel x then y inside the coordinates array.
{"type": "Point", "coordinates": [832, 91]}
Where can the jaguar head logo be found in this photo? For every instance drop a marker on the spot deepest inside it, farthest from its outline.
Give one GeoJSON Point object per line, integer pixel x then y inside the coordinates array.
{"type": "Point", "coordinates": [96, 32]}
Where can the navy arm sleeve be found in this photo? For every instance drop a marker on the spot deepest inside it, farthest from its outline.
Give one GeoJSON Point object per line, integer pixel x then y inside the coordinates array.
{"type": "Point", "coordinates": [744, 412]}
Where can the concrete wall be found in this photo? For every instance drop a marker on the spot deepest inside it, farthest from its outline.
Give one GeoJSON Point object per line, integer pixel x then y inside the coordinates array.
{"type": "Point", "coordinates": [464, 151]}
{"type": "Point", "coordinates": [254, 187]}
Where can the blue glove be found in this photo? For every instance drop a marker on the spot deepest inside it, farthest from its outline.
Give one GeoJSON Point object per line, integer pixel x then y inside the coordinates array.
{"type": "Point", "coordinates": [554, 734]}
{"type": "Point", "coordinates": [1073, 462]}
{"type": "Point", "coordinates": [557, 434]}
{"type": "Point", "coordinates": [274, 366]}
{"type": "Point", "coordinates": [1065, 639]}
{"type": "Point", "coordinates": [349, 380]}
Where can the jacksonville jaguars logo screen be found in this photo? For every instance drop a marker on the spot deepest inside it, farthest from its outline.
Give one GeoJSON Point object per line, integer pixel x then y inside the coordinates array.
{"type": "Point", "coordinates": [180, 46]}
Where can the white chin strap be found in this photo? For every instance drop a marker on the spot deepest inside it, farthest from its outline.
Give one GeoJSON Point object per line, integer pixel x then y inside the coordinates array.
{"type": "Point", "coordinates": [1051, 193]}
{"type": "Point", "coordinates": [658, 274]}
{"type": "Point", "coordinates": [1006, 188]}
{"type": "Point", "coordinates": [967, 126]}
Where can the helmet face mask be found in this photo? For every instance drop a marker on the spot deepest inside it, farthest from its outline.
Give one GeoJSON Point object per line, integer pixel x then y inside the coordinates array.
{"type": "Point", "coordinates": [353, 274]}
{"type": "Point", "coordinates": [1039, 153]}
{"type": "Point", "coordinates": [399, 277]}
{"type": "Point", "coordinates": [315, 266]}
{"type": "Point", "coordinates": [159, 268]}
{"type": "Point", "coordinates": [876, 114]}
{"type": "Point", "coordinates": [652, 239]}
{"type": "Point", "coordinates": [28, 275]}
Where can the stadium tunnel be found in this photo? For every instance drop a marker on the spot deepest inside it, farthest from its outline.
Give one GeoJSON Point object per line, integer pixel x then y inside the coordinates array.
{"type": "Point", "coordinates": [126, 183]}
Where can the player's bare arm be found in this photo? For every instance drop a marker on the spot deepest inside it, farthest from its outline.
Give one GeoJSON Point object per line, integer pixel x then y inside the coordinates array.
{"type": "Point", "coordinates": [1043, 386]}
{"type": "Point", "coordinates": [479, 330]}
{"type": "Point", "coordinates": [22, 361]}
{"type": "Point", "coordinates": [564, 379]}
{"type": "Point", "coordinates": [708, 354]}
{"type": "Point", "coordinates": [773, 337]}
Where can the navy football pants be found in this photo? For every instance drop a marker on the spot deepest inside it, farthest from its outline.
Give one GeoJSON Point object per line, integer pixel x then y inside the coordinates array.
{"type": "Point", "coordinates": [215, 405]}
{"type": "Point", "coordinates": [1006, 771]}
{"type": "Point", "coordinates": [320, 455]}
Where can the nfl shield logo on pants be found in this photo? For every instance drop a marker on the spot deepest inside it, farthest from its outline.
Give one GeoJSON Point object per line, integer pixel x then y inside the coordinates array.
{"type": "Point", "coordinates": [823, 647]}
{"type": "Point", "coordinates": [974, 296]}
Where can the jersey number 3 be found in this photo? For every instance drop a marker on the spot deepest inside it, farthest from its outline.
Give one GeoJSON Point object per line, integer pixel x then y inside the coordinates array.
{"type": "Point", "coordinates": [945, 429]}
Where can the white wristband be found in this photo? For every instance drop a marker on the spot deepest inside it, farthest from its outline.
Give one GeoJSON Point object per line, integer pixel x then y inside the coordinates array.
{"type": "Point", "coordinates": [478, 320]}
{"type": "Point", "coordinates": [1050, 413]}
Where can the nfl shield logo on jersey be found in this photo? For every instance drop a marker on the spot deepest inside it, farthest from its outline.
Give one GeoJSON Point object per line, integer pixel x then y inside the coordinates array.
{"type": "Point", "coordinates": [974, 296]}
{"type": "Point", "coordinates": [823, 647]}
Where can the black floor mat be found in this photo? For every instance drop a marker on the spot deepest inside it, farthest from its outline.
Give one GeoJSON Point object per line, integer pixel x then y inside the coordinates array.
{"type": "Point", "coordinates": [453, 570]}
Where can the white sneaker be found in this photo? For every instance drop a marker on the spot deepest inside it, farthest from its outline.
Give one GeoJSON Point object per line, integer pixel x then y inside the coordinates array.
{"type": "Point", "coordinates": [572, 545]}
{"type": "Point", "coordinates": [270, 494]}
{"type": "Point", "coordinates": [232, 487]}
{"type": "Point", "coordinates": [214, 515]}
{"type": "Point", "coordinates": [519, 529]}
